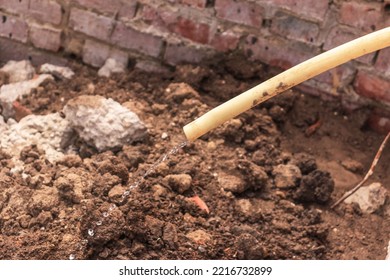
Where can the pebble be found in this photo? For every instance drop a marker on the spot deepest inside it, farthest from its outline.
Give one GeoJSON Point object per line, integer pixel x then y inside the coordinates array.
{"type": "Point", "coordinates": [369, 198]}
{"type": "Point", "coordinates": [178, 182]}
{"type": "Point", "coordinates": [199, 236]}
{"type": "Point", "coordinates": [231, 183]}
{"type": "Point", "coordinates": [286, 176]}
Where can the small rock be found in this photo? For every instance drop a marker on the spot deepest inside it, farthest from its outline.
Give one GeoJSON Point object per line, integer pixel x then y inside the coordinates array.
{"type": "Point", "coordinates": [118, 169]}
{"type": "Point", "coordinates": [103, 123]}
{"type": "Point", "coordinates": [178, 182]}
{"type": "Point", "coordinates": [57, 71]}
{"type": "Point", "coordinates": [232, 183]}
{"type": "Point", "coordinates": [286, 175]}
{"type": "Point", "coordinates": [164, 135]}
{"type": "Point", "coordinates": [111, 66]}
{"type": "Point", "coordinates": [352, 165]}
{"type": "Point", "coordinates": [246, 207]}
{"type": "Point", "coordinates": [369, 198]}
{"type": "Point", "coordinates": [159, 191]}
{"type": "Point", "coordinates": [317, 186]}
{"type": "Point", "coordinates": [154, 225]}
{"type": "Point", "coordinates": [199, 236]}
{"type": "Point", "coordinates": [19, 71]}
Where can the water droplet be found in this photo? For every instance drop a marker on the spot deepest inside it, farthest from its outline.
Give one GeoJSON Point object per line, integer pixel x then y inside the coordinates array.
{"type": "Point", "coordinates": [112, 207]}
{"type": "Point", "coordinates": [105, 214]}
{"type": "Point", "coordinates": [91, 232]}
{"type": "Point", "coordinates": [72, 257]}
{"type": "Point", "coordinates": [99, 223]}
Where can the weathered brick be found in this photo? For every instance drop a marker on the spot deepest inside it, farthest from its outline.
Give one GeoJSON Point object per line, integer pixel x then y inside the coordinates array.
{"type": "Point", "coordinates": [225, 41]}
{"type": "Point", "coordinates": [365, 16]}
{"type": "Point", "coordinates": [45, 11]}
{"type": "Point", "coordinates": [13, 28]}
{"type": "Point", "coordinates": [168, 20]}
{"type": "Point", "coordinates": [383, 61]}
{"type": "Point", "coordinates": [102, 6]}
{"type": "Point", "coordinates": [276, 52]}
{"type": "Point", "coordinates": [177, 53]}
{"type": "Point", "coordinates": [294, 28]}
{"type": "Point", "coordinates": [372, 86]}
{"type": "Point", "coordinates": [338, 36]}
{"type": "Point", "coordinates": [247, 13]}
{"type": "Point", "coordinates": [127, 10]}
{"type": "Point", "coordinates": [17, 7]}
{"type": "Point", "coordinates": [129, 38]}
{"type": "Point", "coordinates": [91, 24]}
{"type": "Point", "coordinates": [195, 3]}
{"type": "Point", "coordinates": [45, 37]}
{"type": "Point", "coordinates": [95, 53]}
{"type": "Point", "coordinates": [315, 9]}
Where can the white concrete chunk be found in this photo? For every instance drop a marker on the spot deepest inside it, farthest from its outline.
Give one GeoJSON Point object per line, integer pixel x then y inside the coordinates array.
{"type": "Point", "coordinates": [19, 71]}
{"type": "Point", "coordinates": [57, 71]}
{"type": "Point", "coordinates": [369, 198]}
{"type": "Point", "coordinates": [103, 123]}
{"type": "Point", "coordinates": [51, 133]}
{"type": "Point", "coordinates": [110, 67]}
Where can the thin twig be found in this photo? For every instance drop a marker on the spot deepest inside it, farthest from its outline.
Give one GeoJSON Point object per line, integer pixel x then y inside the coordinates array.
{"type": "Point", "coordinates": [369, 173]}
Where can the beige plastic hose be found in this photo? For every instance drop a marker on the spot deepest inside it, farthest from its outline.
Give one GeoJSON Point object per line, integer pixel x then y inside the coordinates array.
{"type": "Point", "coordinates": [366, 44]}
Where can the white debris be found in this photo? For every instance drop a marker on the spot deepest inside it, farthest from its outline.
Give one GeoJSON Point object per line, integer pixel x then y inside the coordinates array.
{"type": "Point", "coordinates": [110, 67]}
{"type": "Point", "coordinates": [10, 92]}
{"type": "Point", "coordinates": [164, 135]}
{"type": "Point", "coordinates": [103, 123]}
{"type": "Point", "coordinates": [19, 71]}
{"type": "Point", "coordinates": [50, 133]}
{"type": "Point", "coordinates": [57, 71]}
{"type": "Point", "coordinates": [369, 198]}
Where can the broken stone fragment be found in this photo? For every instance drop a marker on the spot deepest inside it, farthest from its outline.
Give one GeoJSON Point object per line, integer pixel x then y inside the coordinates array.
{"type": "Point", "coordinates": [231, 183]}
{"type": "Point", "coordinates": [18, 71]}
{"type": "Point", "coordinates": [369, 198]}
{"type": "Point", "coordinates": [11, 92]}
{"type": "Point", "coordinates": [103, 123]}
{"type": "Point", "coordinates": [111, 66]}
{"type": "Point", "coordinates": [178, 182]}
{"type": "Point", "coordinates": [57, 71]}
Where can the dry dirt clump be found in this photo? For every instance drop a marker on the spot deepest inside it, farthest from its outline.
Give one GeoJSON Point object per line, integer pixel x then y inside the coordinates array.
{"type": "Point", "coordinates": [267, 186]}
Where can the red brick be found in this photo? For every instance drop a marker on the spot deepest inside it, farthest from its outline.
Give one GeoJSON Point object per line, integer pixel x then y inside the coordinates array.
{"type": "Point", "coordinates": [225, 41]}
{"type": "Point", "coordinates": [95, 53]}
{"type": "Point", "coordinates": [45, 37]}
{"type": "Point", "coordinates": [17, 7]}
{"type": "Point", "coordinates": [338, 36]}
{"type": "Point", "coordinates": [167, 20]}
{"type": "Point", "coordinates": [129, 38]}
{"type": "Point", "coordinates": [195, 3]}
{"type": "Point", "coordinates": [102, 6]}
{"type": "Point", "coordinates": [127, 10]}
{"type": "Point", "coordinates": [46, 11]}
{"type": "Point", "coordinates": [276, 52]}
{"type": "Point", "coordinates": [383, 61]}
{"type": "Point", "coordinates": [372, 87]}
{"type": "Point", "coordinates": [315, 9]}
{"type": "Point", "coordinates": [365, 16]}
{"type": "Point", "coordinates": [13, 28]}
{"type": "Point", "coordinates": [177, 53]}
{"type": "Point", "coordinates": [246, 13]}
{"type": "Point", "coordinates": [91, 24]}
{"type": "Point", "coordinates": [294, 28]}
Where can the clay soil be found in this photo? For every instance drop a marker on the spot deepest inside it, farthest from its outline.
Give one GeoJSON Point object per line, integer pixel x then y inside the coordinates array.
{"type": "Point", "coordinates": [231, 170]}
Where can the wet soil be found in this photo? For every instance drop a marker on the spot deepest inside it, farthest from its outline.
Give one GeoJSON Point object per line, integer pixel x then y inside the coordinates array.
{"type": "Point", "coordinates": [219, 197]}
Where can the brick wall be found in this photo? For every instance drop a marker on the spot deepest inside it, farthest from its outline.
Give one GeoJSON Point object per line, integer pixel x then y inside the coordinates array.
{"type": "Point", "coordinates": [280, 33]}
